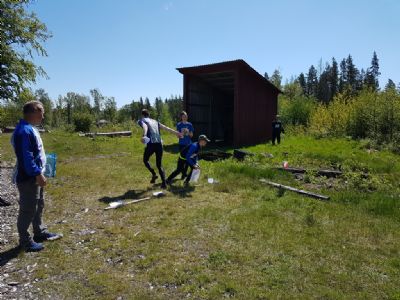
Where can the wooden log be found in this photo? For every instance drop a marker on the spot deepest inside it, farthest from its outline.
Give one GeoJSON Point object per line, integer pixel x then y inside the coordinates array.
{"type": "Point", "coordinates": [8, 129]}
{"type": "Point", "coordinates": [329, 173]}
{"type": "Point", "coordinates": [326, 173]}
{"type": "Point", "coordinates": [241, 154]}
{"type": "Point", "coordinates": [108, 134]}
{"type": "Point", "coordinates": [289, 188]}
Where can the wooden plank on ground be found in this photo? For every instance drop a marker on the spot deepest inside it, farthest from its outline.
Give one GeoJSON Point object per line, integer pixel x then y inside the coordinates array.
{"type": "Point", "coordinates": [289, 188]}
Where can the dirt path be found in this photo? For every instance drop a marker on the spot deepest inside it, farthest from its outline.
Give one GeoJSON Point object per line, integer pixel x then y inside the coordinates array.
{"type": "Point", "coordinates": [15, 282]}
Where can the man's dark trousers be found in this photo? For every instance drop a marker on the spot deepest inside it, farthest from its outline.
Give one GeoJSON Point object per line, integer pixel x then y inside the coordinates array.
{"type": "Point", "coordinates": [276, 136]}
{"type": "Point", "coordinates": [31, 204]}
{"type": "Point", "coordinates": [182, 164]}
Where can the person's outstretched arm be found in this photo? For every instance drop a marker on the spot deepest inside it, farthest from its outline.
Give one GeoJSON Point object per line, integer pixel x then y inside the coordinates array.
{"type": "Point", "coordinates": [166, 128]}
{"type": "Point", "coordinates": [191, 157]}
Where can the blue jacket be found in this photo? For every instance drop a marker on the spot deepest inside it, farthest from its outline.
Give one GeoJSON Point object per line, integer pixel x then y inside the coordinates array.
{"type": "Point", "coordinates": [190, 153]}
{"type": "Point", "coordinates": [28, 152]}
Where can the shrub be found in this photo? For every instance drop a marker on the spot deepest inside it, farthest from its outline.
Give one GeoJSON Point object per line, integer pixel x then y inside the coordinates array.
{"type": "Point", "coordinates": [83, 121]}
{"type": "Point", "coordinates": [296, 111]}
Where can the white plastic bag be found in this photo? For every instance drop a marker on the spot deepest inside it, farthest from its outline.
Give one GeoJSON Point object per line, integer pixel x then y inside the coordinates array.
{"type": "Point", "coordinates": [146, 140]}
{"type": "Point", "coordinates": [195, 175]}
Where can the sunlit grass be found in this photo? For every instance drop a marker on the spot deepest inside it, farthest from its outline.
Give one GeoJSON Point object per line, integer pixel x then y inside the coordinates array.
{"type": "Point", "coordinates": [236, 238]}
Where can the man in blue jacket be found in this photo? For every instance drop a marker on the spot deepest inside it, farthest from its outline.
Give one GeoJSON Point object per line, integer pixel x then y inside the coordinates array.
{"type": "Point", "coordinates": [28, 175]}
{"type": "Point", "coordinates": [189, 156]}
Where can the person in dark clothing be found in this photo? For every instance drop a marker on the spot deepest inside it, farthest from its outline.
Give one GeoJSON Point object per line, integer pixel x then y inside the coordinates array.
{"type": "Point", "coordinates": [29, 178]}
{"type": "Point", "coordinates": [277, 129]}
{"type": "Point", "coordinates": [152, 139]}
{"type": "Point", "coordinates": [186, 128]}
{"type": "Point", "coordinates": [189, 156]}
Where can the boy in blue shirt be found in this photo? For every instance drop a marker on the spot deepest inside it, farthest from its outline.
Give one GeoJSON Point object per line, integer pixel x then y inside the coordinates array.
{"type": "Point", "coordinates": [189, 156]}
{"type": "Point", "coordinates": [186, 129]}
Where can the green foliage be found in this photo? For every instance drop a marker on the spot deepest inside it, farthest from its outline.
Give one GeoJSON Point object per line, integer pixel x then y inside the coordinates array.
{"type": "Point", "coordinates": [21, 34]}
{"type": "Point", "coordinates": [110, 109]}
{"type": "Point", "coordinates": [296, 111]}
{"type": "Point", "coordinates": [371, 114]}
{"type": "Point", "coordinates": [83, 121]}
{"type": "Point", "coordinates": [331, 119]}
{"type": "Point", "coordinates": [12, 111]}
{"type": "Point", "coordinates": [42, 96]}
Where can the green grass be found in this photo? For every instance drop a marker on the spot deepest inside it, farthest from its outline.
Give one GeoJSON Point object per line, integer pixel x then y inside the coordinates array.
{"type": "Point", "coordinates": [236, 239]}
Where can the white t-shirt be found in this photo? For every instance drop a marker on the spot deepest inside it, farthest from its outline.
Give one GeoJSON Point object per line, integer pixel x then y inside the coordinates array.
{"type": "Point", "coordinates": [41, 148]}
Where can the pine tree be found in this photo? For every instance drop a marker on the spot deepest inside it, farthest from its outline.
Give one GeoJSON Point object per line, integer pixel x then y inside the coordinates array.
{"type": "Point", "coordinates": [334, 78]}
{"type": "Point", "coordinates": [375, 69]}
{"type": "Point", "coordinates": [312, 82]}
{"type": "Point", "coordinates": [302, 81]}
{"type": "Point", "coordinates": [390, 85]}
{"type": "Point", "coordinates": [324, 91]}
{"type": "Point", "coordinates": [343, 76]}
{"type": "Point", "coordinates": [360, 80]}
{"type": "Point", "coordinates": [372, 77]}
{"type": "Point", "coordinates": [266, 76]}
{"type": "Point", "coordinates": [276, 79]}
{"type": "Point", "coordinates": [352, 73]}
{"type": "Point", "coordinates": [147, 104]}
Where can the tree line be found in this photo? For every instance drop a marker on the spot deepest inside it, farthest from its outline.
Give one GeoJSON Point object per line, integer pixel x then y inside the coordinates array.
{"type": "Point", "coordinates": [329, 79]}
{"type": "Point", "coordinates": [79, 112]}
{"type": "Point", "coordinates": [342, 101]}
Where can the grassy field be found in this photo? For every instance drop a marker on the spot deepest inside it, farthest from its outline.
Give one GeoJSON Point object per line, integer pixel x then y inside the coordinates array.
{"type": "Point", "coordinates": [235, 239]}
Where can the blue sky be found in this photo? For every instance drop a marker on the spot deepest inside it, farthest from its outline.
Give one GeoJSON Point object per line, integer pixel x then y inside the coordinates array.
{"type": "Point", "coordinates": [130, 48]}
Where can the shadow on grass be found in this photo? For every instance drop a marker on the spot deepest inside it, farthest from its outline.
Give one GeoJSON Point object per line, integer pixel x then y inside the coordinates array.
{"type": "Point", "coordinates": [131, 194]}
{"type": "Point", "coordinates": [8, 255]}
{"type": "Point", "coordinates": [173, 148]}
{"type": "Point", "coordinates": [181, 192]}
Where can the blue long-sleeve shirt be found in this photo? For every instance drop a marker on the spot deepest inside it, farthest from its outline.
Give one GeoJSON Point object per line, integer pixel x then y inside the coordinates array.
{"type": "Point", "coordinates": [28, 147]}
{"type": "Point", "coordinates": [186, 139]}
{"type": "Point", "coordinates": [191, 155]}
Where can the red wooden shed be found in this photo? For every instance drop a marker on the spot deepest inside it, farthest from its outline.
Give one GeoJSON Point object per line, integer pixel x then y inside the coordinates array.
{"type": "Point", "coordinates": [229, 102]}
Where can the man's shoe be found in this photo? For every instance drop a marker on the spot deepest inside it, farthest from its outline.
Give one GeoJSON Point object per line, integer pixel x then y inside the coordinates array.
{"type": "Point", "coordinates": [32, 247]}
{"type": "Point", "coordinates": [153, 179]}
{"type": "Point", "coordinates": [48, 236]}
{"type": "Point", "coordinates": [4, 202]}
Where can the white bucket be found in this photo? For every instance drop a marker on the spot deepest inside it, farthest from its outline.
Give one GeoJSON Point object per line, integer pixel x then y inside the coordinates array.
{"type": "Point", "coordinates": [195, 175]}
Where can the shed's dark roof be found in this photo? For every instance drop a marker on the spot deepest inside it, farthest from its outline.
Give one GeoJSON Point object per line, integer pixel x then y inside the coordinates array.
{"type": "Point", "coordinates": [231, 64]}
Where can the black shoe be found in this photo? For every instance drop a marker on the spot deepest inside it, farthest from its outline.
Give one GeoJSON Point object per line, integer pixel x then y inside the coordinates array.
{"type": "Point", "coordinates": [47, 237]}
{"type": "Point", "coordinates": [32, 247]}
{"type": "Point", "coordinates": [153, 179]}
{"type": "Point", "coordinates": [186, 184]}
{"type": "Point", "coordinates": [4, 202]}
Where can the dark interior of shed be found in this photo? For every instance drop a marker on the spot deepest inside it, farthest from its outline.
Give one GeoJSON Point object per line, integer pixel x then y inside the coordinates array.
{"type": "Point", "coordinates": [211, 105]}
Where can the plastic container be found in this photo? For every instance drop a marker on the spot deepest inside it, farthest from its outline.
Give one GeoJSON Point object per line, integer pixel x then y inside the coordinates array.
{"type": "Point", "coordinates": [146, 140]}
{"type": "Point", "coordinates": [51, 165]}
{"type": "Point", "coordinates": [195, 175]}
